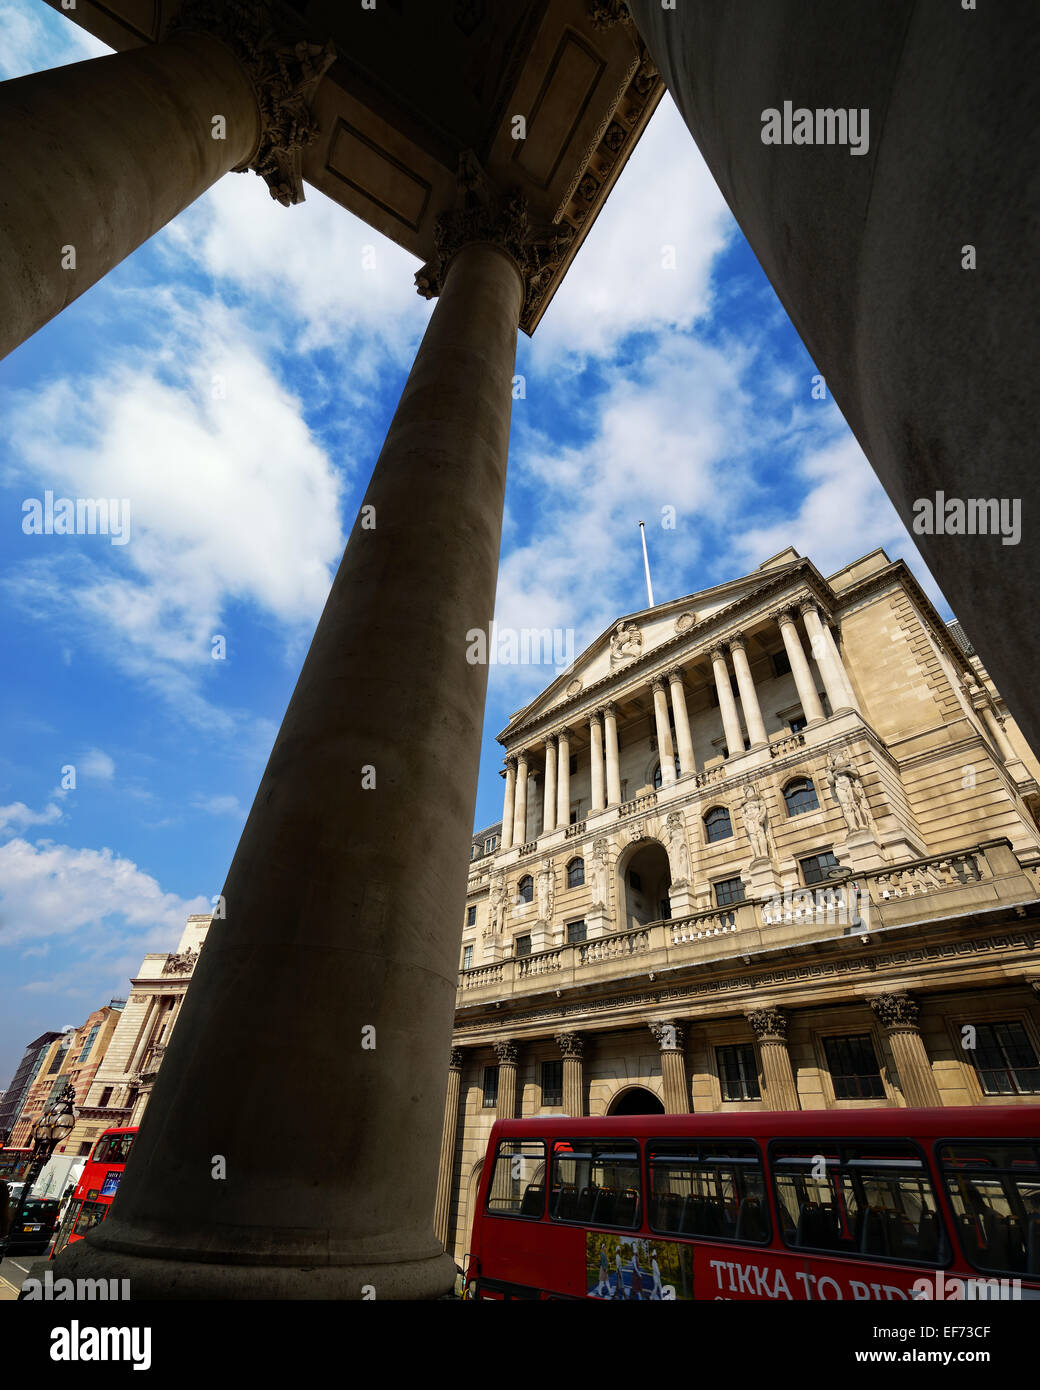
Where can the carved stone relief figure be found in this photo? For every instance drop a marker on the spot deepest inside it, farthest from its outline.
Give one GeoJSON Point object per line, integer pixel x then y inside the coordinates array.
{"type": "Point", "coordinates": [495, 899]}
{"type": "Point", "coordinates": [847, 789]}
{"type": "Point", "coordinates": [756, 822]}
{"type": "Point", "coordinates": [678, 850]}
{"type": "Point", "coordinates": [626, 643]}
{"type": "Point", "coordinates": [598, 873]}
{"type": "Point", "coordinates": [546, 891]}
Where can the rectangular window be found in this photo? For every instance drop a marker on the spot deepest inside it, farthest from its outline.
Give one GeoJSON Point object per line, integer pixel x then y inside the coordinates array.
{"type": "Point", "coordinates": [490, 844]}
{"type": "Point", "coordinates": [797, 724]}
{"type": "Point", "coordinates": [490, 1088]}
{"type": "Point", "coordinates": [868, 1199]}
{"type": "Point", "coordinates": [716, 1190]}
{"type": "Point", "coordinates": [576, 932]}
{"type": "Point", "coordinates": [467, 958]}
{"type": "Point", "coordinates": [106, 1096]}
{"type": "Point", "coordinates": [730, 890]}
{"type": "Point", "coordinates": [994, 1190]}
{"type": "Point", "coordinates": [552, 1083]}
{"type": "Point", "coordinates": [1004, 1060]}
{"type": "Point", "coordinates": [596, 1182]}
{"type": "Point", "coordinates": [738, 1072]}
{"type": "Point", "coordinates": [471, 916]}
{"type": "Point", "coordinates": [523, 945]}
{"type": "Point", "coordinates": [814, 869]}
{"type": "Point", "coordinates": [517, 1186]}
{"type": "Point", "coordinates": [781, 663]}
{"type": "Point", "coordinates": [853, 1067]}
{"type": "Point", "coordinates": [89, 1043]}
{"type": "Point", "coordinates": [57, 1059]}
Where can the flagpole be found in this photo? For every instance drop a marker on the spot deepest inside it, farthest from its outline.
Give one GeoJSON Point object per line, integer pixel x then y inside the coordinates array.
{"type": "Point", "coordinates": [646, 566]}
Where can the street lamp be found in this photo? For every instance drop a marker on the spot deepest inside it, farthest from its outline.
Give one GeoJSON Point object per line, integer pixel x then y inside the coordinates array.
{"type": "Point", "coordinates": [53, 1126]}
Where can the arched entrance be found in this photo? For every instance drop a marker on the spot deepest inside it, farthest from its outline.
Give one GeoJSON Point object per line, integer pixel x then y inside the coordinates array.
{"type": "Point", "coordinates": [635, 1100]}
{"type": "Point", "coordinates": [645, 878]}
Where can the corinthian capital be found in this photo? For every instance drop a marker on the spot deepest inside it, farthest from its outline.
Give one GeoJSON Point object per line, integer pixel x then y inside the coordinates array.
{"type": "Point", "coordinates": [284, 77]}
{"type": "Point", "coordinates": [506, 1052]}
{"type": "Point", "coordinates": [897, 1011]}
{"type": "Point", "coordinates": [769, 1024]}
{"type": "Point", "coordinates": [570, 1044]}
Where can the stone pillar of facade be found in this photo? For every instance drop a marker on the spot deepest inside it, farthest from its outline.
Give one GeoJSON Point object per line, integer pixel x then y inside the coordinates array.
{"type": "Point", "coordinates": [664, 732]}
{"type": "Point", "coordinates": [832, 668]}
{"type": "Point", "coordinates": [572, 1045]}
{"type": "Point", "coordinates": [613, 757]}
{"type": "Point", "coordinates": [509, 804]}
{"type": "Point", "coordinates": [343, 904]}
{"type": "Point", "coordinates": [687, 763]}
{"type": "Point", "coordinates": [748, 694]}
{"type": "Point", "coordinates": [549, 797]}
{"type": "Point", "coordinates": [99, 155]}
{"type": "Point", "coordinates": [770, 1028]}
{"type": "Point", "coordinates": [803, 678]}
{"type": "Point", "coordinates": [672, 1042]}
{"type": "Point", "coordinates": [899, 1013]}
{"type": "Point", "coordinates": [520, 811]}
{"type": "Point", "coordinates": [563, 781]}
{"type": "Point", "coordinates": [599, 799]}
{"type": "Point", "coordinates": [996, 727]}
{"type": "Point", "coordinates": [449, 1135]}
{"type": "Point", "coordinates": [727, 704]}
{"type": "Point", "coordinates": [506, 1052]}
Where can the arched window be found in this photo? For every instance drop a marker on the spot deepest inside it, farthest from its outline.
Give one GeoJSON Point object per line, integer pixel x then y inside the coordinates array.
{"type": "Point", "coordinates": [575, 873]}
{"type": "Point", "coordinates": [525, 889]}
{"type": "Point", "coordinates": [800, 796]}
{"type": "Point", "coordinates": [658, 779]}
{"type": "Point", "coordinates": [717, 824]}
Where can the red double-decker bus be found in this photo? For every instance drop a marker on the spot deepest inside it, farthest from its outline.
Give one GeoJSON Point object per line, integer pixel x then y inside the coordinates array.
{"type": "Point", "coordinates": [97, 1185]}
{"type": "Point", "coordinates": [14, 1164]}
{"type": "Point", "coordinates": [804, 1205]}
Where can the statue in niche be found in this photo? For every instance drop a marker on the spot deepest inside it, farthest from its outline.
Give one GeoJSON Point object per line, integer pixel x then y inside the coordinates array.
{"type": "Point", "coordinates": [598, 873]}
{"type": "Point", "coordinates": [626, 643]}
{"type": "Point", "coordinates": [546, 892]}
{"type": "Point", "coordinates": [678, 850]}
{"type": "Point", "coordinates": [847, 789]}
{"type": "Point", "coordinates": [756, 822]}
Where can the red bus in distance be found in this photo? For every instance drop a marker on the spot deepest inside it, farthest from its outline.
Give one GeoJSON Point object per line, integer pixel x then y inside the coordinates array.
{"type": "Point", "coordinates": [792, 1205]}
{"type": "Point", "coordinates": [98, 1183]}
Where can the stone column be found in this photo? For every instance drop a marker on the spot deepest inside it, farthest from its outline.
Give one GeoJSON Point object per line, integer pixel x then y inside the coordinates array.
{"type": "Point", "coordinates": [449, 1135]}
{"type": "Point", "coordinates": [563, 781]}
{"type": "Point", "coordinates": [507, 1055]}
{"type": "Point", "coordinates": [671, 1040]}
{"type": "Point", "coordinates": [770, 1028]}
{"type": "Point", "coordinates": [572, 1045]}
{"type": "Point", "coordinates": [899, 1013]}
{"type": "Point", "coordinates": [727, 704]}
{"type": "Point", "coordinates": [599, 799]}
{"type": "Point", "coordinates": [99, 155]}
{"type": "Point", "coordinates": [520, 813]}
{"type": "Point", "coordinates": [664, 732]}
{"type": "Point", "coordinates": [803, 679]}
{"type": "Point", "coordinates": [613, 759]}
{"type": "Point", "coordinates": [345, 897]}
{"type": "Point", "coordinates": [832, 668]}
{"type": "Point", "coordinates": [995, 725]}
{"type": "Point", "coordinates": [549, 798]}
{"type": "Point", "coordinates": [509, 805]}
{"type": "Point", "coordinates": [687, 763]}
{"type": "Point", "coordinates": [748, 694]}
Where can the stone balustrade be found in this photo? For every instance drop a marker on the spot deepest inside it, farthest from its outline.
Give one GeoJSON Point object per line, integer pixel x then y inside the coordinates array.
{"type": "Point", "coordinates": [789, 743]}
{"type": "Point", "coordinates": [578, 828]}
{"type": "Point", "coordinates": [646, 802]}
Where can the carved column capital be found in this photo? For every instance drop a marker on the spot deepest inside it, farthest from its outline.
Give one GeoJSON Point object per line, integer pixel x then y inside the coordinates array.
{"type": "Point", "coordinates": [604, 14]}
{"type": "Point", "coordinates": [521, 758]}
{"type": "Point", "coordinates": [563, 735]}
{"type": "Point", "coordinates": [610, 708]}
{"type": "Point", "coordinates": [506, 1052]}
{"type": "Point", "coordinates": [550, 742]}
{"type": "Point", "coordinates": [898, 1011]}
{"type": "Point", "coordinates": [284, 76]}
{"type": "Point", "coordinates": [596, 718]}
{"type": "Point", "coordinates": [571, 1044]}
{"type": "Point", "coordinates": [736, 642]}
{"type": "Point", "coordinates": [808, 604]}
{"type": "Point", "coordinates": [717, 653]}
{"type": "Point", "coordinates": [671, 1036]}
{"type": "Point", "coordinates": [659, 683]}
{"type": "Point", "coordinates": [675, 676]}
{"type": "Point", "coordinates": [455, 1060]}
{"type": "Point", "coordinates": [785, 613]}
{"type": "Point", "coordinates": [768, 1023]}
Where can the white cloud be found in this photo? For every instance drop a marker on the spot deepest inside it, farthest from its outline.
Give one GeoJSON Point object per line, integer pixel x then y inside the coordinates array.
{"type": "Point", "coordinates": [33, 38]}
{"type": "Point", "coordinates": [225, 805]}
{"type": "Point", "coordinates": [97, 763]}
{"type": "Point", "coordinates": [18, 815]}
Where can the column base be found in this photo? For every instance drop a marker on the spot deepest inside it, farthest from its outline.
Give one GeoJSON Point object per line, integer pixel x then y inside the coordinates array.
{"type": "Point", "coordinates": [163, 1280]}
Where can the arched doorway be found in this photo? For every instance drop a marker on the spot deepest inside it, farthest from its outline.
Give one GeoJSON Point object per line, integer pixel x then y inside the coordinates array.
{"type": "Point", "coordinates": [635, 1100]}
{"type": "Point", "coordinates": [645, 881]}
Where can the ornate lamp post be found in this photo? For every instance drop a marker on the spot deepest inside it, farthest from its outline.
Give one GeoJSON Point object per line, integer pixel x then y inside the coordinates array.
{"type": "Point", "coordinates": [50, 1129]}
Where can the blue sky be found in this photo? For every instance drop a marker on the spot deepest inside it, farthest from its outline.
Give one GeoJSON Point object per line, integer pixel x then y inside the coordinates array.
{"type": "Point", "coordinates": [234, 379]}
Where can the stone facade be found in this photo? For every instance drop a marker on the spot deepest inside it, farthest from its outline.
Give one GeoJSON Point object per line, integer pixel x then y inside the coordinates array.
{"type": "Point", "coordinates": [75, 1057]}
{"type": "Point", "coordinates": [795, 866]}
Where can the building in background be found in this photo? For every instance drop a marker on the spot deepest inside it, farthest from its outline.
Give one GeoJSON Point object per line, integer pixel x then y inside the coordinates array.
{"type": "Point", "coordinates": [770, 846]}
{"type": "Point", "coordinates": [25, 1074]}
{"type": "Point", "coordinates": [74, 1056]}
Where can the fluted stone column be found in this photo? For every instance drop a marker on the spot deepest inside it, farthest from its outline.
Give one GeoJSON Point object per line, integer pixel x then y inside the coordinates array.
{"type": "Point", "coordinates": [664, 732]}
{"type": "Point", "coordinates": [671, 1039]}
{"type": "Point", "coordinates": [770, 1028]}
{"type": "Point", "coordinates": [563, 781]}
{"type": "Point", "coordinates": [99, 155]}
{"type": "Point", "coordinates": [572, 1045]}
{"type": "Point", "coordinates": [549, 797]}
{"type": "Point", "coordinates": [509, 804]}
{"type": "Point", "coordinates": [344, 900]}
{"type": "Point", "coordinates": [520, 812]}
{"type": "Point", "coordinates": [687, 763]}
{"type": "Point", "coordinates": [599, 799]}
{"type": "Point", "coordinates": [803, 679]}
{"type": "Point", "coordinates": [835, 678]}
{"type": "Point", "coordinates": [899, 1013]}
{"type": "Point", "coordinates": [613, 759]}
{"type": "Point", "coordinates": [727, 704]}
{"type": "Point", "coordinates": [748, 694]}
{"type": "Point", "coordinates": [449, 1135]}
{"type": "Point", "coordinates": [506, 1052]}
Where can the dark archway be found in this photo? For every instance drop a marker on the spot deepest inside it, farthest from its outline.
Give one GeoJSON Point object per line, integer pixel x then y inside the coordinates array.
{"type": "Point", "coordinates": [645, 881]}
{"type": "Point", "coordinates": [636, 1100]}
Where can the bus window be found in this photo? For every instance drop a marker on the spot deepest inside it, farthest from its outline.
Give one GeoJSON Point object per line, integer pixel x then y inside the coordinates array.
{"type": "Point", "coordinates": [596, 1182]}
{"type": "Point", "coordinates": [994, 1191]}
{"type": "Point", "coordinates": [715, 1190]}
{"type": "Point", "coordinates": [517, 1186]}
{"type": "Point", "coordinates": [874, 1200]}
{"type": "Point", "coordinates": [113, 1148]}
{"type": "Point", "coordinates": [90, 1214]}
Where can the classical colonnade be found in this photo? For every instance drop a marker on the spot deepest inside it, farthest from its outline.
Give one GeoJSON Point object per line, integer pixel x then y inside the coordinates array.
{"type": "Point", "coordinates": [604, 751]}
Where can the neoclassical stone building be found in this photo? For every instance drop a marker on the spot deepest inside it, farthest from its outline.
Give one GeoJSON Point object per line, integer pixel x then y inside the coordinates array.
{"type": "Point", "coordinates": [772, 845]}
